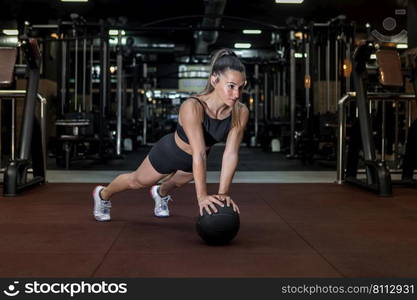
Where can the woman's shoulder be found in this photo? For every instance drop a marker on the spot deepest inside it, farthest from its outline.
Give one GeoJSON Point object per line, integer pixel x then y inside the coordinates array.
{"type": "Point", "coordinates": [192, 100]}
{"type": "Point", "coordinates": [192, 103]}
{"type": "Point", "coordinates": [243, 114]}
{"type": "Point", "coordinates": [243, 107]}
{"type": "Point", "coordinates": [191, 107]}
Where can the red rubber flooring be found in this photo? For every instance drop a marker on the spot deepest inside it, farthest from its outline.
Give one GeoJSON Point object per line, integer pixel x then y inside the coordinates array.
{"type": "Point", "coordinates": [287, 230]}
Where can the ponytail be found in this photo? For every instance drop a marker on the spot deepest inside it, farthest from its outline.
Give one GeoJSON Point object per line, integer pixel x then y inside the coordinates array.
{"type": "Point", "coordinates": [223, 60]}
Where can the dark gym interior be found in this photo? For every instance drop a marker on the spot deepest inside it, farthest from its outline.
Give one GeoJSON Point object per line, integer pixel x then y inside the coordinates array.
{"type": "Point", "coordinates": [326, 175]}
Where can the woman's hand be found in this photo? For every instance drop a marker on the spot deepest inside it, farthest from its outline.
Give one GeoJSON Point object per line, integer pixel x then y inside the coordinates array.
{"type": "Point", "coordinates": [228, 200]}
{"type": "Point", "coordinates": [207, 203]}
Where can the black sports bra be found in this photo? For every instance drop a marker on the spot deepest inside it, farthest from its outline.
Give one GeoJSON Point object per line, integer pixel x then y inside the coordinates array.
{"type": "Point", "coordinates": [214, 130]}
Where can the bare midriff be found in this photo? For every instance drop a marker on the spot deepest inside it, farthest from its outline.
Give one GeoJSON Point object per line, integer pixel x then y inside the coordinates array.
{"type": "Point", "coordinates": [183, 145]}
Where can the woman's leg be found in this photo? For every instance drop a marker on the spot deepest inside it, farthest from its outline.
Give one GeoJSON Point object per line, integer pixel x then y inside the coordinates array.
{"type": "Point", "coordinates": [177, 180]}
{"type": "Point", "coordinates": [144, 176]}
{"type": "Point", "coordinates": [160, 192]}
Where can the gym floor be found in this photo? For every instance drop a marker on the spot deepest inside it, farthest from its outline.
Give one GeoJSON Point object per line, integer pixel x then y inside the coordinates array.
{"type": "Point", "coordinates": [310, 228]}
{"type": "Point", "coordinates": [287, 230]}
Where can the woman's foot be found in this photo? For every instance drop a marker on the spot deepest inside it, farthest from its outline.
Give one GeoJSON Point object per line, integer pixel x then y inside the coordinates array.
{"type": "Point", "coordinates": [161, 203]}
{"type": "Point", "coordinates": [101, 207]}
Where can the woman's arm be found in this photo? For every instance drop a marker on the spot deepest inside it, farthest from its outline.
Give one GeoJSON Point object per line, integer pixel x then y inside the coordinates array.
{"type": "Point", "coordinates": [191, 117]}
{"type": "Point", "coordinates": [231, 152]}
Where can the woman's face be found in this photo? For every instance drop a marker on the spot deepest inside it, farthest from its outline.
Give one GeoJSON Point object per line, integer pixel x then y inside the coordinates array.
{"type": "Point", "coordinates": [228, 86]}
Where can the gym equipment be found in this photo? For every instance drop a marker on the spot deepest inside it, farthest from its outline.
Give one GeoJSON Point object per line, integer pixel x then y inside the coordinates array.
{"type": "Point", "coordinates": [32, 143]}
{"type": "Point", "coordinates": [388, 88]}
{"type": "Point", "coordinates": [378, 176]}
{"type": "Point", "coordinates": [409, 163]}
{"type": "Point", "coordinates": [84, 106]}
{"type": "Point", "coordinates": [310, 49]}
{"type": "Point", "coordinates": [218, 228]}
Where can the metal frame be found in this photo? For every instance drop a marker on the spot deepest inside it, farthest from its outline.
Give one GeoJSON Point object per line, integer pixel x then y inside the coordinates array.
{"type": "Point", "coordinates": [20, 94]}
{"type": "Point", "coordinates": [341, 145]}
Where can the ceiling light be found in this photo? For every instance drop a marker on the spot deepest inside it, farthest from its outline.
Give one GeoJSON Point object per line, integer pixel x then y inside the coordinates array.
{"type": "Point", "coordinates": [11, 31]}
{"type": "Point", "coordinates": [298, 35]}
{"type": "Point", "coordinates": [252, 31]}
{"type": "Point", "coordinates": [163, 45]}
{"type": "Point", "coordinates": [289, 1]}
{"type": "Point", "coordinates": [243, 45]}
{"type": "Point", "coordinates": [9, 40]}
{"type": "Point", "coordinates": [116, 32]}
{"type": "Point", "coordinates": [74, 0]}
{"type": "Point", "coordinates": [402, 46]}
{"type": "Point", "coordinates": [115, 41]}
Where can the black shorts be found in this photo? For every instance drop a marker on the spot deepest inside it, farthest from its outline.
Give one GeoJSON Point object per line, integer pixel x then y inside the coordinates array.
{"type": "Point", "coordinates": [166, 157]}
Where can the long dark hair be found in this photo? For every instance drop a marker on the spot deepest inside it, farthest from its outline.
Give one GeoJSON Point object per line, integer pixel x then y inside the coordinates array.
{"type": "Point", "coordinates": [223, 60]}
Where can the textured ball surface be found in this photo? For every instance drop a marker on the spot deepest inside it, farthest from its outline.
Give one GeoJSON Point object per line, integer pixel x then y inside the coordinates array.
{"type": "Point", "coordinates": [218, 228]}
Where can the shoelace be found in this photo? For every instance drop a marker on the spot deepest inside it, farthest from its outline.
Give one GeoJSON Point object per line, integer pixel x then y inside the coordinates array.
{"type": "Point", "coordinates": [164, 202]}
{"type": "Point", "coordinates": [106, 204]}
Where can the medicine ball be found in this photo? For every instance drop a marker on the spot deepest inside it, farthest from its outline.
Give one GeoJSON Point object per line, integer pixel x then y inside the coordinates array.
{"type": "Point", "coordinates": [218, 228]}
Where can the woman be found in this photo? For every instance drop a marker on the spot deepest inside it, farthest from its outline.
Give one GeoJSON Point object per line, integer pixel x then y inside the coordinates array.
{"type": "Point", "coordinates": [212, 116]}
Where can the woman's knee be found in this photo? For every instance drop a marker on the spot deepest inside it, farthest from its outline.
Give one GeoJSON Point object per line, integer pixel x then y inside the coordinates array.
{"type": "Point", "coordinates": [136, 182]}
{"type": "Point", "coordinates": [182, 180]}
{"type": "Point", "coordinates": [178, 184]}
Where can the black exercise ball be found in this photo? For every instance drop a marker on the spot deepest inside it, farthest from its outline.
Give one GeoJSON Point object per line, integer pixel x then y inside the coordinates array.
{"type": "Point", "coordinates": [218, 228]}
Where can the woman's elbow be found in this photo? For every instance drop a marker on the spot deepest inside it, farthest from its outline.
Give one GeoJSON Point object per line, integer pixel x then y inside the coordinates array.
{"type": "Point", "coordinates": [199, 156]}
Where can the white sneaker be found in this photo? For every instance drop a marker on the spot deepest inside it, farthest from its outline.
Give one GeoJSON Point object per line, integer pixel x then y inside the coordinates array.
{"type": "Point", "coordinates": [161, 203]}
{"type": "Point", "coordinates": [101, 207]}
